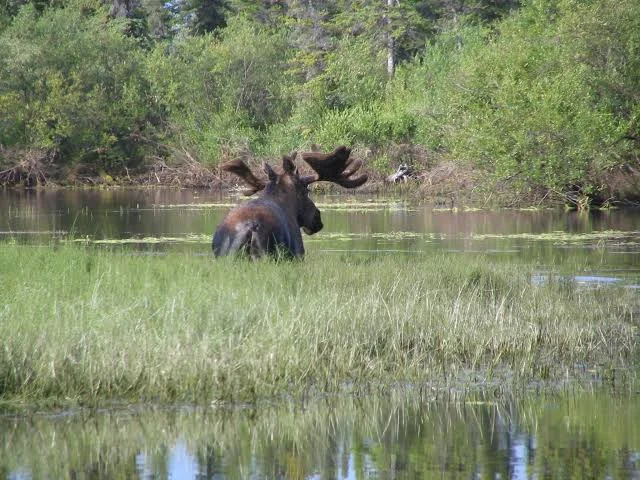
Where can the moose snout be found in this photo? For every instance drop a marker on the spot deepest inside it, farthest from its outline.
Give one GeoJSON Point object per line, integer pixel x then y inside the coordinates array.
{"type": "Point", "coordinates": [315, 225]}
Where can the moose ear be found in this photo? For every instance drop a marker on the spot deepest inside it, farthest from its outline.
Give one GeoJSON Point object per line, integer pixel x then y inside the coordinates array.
{"type": "Point", "coordinates": [287, 163]}
{"type": "Point", "coordinates": [269, 171]}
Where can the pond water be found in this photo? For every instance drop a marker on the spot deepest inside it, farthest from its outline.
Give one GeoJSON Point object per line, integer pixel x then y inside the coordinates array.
{"type": "Point", "coordinates": [433, 435]}
{"type": "Point", "coordinates": [598, 247]}
{"type": "Point", "coordinates": [398, 436]}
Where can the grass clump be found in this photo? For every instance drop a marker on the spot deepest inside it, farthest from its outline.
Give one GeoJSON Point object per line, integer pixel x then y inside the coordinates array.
{"type": "Point", "coordinates": [88, 326]}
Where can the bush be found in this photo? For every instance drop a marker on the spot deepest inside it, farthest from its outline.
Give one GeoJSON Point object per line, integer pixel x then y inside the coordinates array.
{"type": "Point", "coordinates": [73, 84]}
{"type": "Point", "coordinates": [544, 99]}
{"type": "Point", "coordinates": [222, 93]}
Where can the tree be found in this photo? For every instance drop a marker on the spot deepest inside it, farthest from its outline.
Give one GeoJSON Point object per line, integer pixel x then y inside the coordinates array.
{"type": "Point", "coordinates": [10, 8]}
{"type": "Point", "coordinates": [550, 102]}
{"type": "Point", "coordinates": [202, 16]}
{"type": "Point", "coordinates": [391, 56]}
{"type": "Point", "coordinates": [223, 91]}
{"type": "Point", "coordinates": [392, 26]}
{"type": "Point", "coordinates": [72, 85]}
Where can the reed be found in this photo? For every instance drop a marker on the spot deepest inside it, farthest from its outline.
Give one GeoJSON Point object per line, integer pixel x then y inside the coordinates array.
{"type": "Point", "coordinates": [82, 325]}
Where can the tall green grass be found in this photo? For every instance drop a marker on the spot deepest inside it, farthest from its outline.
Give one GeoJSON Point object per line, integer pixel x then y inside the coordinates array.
{"type": "Point", "coordinates": [82, 325]}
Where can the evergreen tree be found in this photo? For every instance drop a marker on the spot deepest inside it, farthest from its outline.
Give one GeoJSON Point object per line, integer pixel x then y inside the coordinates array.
{"type": "Point", "coordinates": [202, 16]}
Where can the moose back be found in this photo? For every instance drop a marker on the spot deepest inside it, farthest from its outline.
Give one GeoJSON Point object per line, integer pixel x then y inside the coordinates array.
{"type": "Point", "coordinates": [271, 223]}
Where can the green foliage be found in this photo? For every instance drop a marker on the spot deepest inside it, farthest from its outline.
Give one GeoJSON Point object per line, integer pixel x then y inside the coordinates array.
{"type": "Point", "coordinates": [546, 97]}
{"type": "Point", "coordinates": [354, 74]}
{"type": "Point", "coordinates": [376, 125]}
{"type": "Point", "coordinates": [73, 84]}
{"type": "Point", "coordinates": [222, 93]}
{"type": "Point", "coordinates": [203, 16]}
{"type": "Point", "coordinates": [345, 103]}
{"type": "Point", "coordinates": [378, 22]}
{"type": "Point", "coordinates": [536, 108]}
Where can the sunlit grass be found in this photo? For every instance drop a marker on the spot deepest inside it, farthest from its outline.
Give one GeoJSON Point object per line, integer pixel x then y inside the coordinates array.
{"type": "Point", "coordinates": [85, 325]}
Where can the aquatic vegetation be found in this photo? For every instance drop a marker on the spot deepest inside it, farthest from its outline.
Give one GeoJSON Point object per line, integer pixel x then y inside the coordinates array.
{"type": "Point", "coordinates": [394, 236]}
{"type": "Point", "coordinates": [194, 206]}
{"type": "Point", "coordinates": [193, 238]}
{"type": "Point", "coordinates": [626, 238]}
{"type": "Point", "coordinates": [187, 238]}
{"type": "Point", "coordinates": [86, 325]}
{"type": "Point", "coordinates": [356, 205]}
{"type": "Point", "coordinates": [561, 236]}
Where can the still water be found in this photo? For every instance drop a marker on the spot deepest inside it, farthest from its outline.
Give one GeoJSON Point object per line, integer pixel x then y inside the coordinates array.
{"type": "Point", "coordinates": [596, 247]}
{"type": "Point", "coordinates": [398, 435]}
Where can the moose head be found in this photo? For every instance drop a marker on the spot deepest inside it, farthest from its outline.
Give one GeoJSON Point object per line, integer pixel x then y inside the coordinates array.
{"type": "Point", "coordinates": [271, 223]}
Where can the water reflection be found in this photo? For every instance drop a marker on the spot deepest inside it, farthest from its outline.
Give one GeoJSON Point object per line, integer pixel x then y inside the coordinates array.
{"type": "Point", "coordinates": [593, 244]}
{"type": "Point", "coordinates": [400, 436]}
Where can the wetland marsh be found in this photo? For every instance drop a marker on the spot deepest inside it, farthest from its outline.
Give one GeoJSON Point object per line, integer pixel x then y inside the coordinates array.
{"type": "Point", "coordinates": [183, 220]}
{"type": "Point", "coordinates": [112, 303]}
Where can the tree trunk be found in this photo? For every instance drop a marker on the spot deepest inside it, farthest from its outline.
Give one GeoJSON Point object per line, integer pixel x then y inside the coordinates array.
{"type": "Point", "coordinates": [391, 57]}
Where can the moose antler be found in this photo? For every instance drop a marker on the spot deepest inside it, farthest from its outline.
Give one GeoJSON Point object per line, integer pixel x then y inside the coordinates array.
{"type": "Point", "coordinates": [239, 168]}
{"type": "Point", "coordinates": [334, 167]}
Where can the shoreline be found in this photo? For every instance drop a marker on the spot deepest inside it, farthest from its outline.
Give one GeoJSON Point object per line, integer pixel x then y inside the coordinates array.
{"type": "Point", "coordinates": [445, 183]}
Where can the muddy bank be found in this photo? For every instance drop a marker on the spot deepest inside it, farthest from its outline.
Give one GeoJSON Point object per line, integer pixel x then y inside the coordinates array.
{"type": "Point", "coordinates": [444, 183]}
{"type": "Point", "coordinates": [412, 172]}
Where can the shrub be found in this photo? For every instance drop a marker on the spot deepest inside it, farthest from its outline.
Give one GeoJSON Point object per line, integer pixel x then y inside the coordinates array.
{"type": "Point", "coordinates": [73, 84]}
{"type": "Point", "coordinates": [537, 100]}
{"type": "Point", "coordinates": [222, 93]}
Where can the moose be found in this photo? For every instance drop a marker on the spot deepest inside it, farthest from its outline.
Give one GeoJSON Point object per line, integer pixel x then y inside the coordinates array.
{"type": "Point", "coordinates": [270, 224]}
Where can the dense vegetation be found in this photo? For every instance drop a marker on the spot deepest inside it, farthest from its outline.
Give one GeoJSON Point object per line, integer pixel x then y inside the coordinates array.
{"type": "Point", "coordinates": [540, 96]}
{"type": "Point", "coordinates": [87, 326]}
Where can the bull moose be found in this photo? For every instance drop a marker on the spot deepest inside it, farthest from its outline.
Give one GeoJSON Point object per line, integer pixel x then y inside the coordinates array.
{"type": "Point", "coordinates": [271, 223]}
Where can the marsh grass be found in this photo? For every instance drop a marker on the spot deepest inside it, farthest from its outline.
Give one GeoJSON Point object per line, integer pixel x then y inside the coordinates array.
{"type": "Point", "coordinates": [82, 325]}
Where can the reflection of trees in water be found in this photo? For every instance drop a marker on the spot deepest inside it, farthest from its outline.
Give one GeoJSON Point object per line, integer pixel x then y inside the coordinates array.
{"type": "Point", "coordinates": [103, 214]}
{"type": "Point", "coordinates": [452, 440]}
{"type": "Point", "coordinates": [401, 437]}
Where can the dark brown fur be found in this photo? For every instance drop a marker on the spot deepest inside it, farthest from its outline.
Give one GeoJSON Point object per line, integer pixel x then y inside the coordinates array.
{"type": "Point", "coordinates": [270, 224]}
